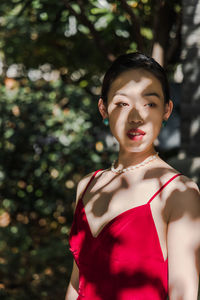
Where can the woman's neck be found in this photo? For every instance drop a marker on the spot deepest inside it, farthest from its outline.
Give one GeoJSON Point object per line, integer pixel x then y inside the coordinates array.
{"type": "Point", "coordinates": [126, 159]}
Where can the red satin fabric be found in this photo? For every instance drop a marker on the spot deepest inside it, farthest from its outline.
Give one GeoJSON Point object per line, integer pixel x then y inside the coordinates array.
{"type": "Point", "coordinates": [125, 261]}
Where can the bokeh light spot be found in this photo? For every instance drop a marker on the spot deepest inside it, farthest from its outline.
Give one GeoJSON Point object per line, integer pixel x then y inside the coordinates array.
{"type": "Point", "coordinates": [69, 184]}
{"type": "Point", "coordinates": [99, 146]}
{"type": "Point", "coordinates": [4, 219]}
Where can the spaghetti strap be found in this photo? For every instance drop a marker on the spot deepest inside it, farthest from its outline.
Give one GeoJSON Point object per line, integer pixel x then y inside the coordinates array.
{"type": "Point", "coordinates": [93, 175]}
{"type": "Point", "coordinates": [163, 186]}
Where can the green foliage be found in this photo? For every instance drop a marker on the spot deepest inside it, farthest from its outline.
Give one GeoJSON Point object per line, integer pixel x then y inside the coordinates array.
{"type": "Point", "coordinates": [42, 128]}
{"type": "Point", "coordinates": [53, 33]}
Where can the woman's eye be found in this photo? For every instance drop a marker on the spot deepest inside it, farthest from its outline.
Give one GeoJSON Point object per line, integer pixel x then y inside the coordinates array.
{"type": "Point", "coordinates": [120, 104]}
{"type": "Point", "coordinates": [151, 105]}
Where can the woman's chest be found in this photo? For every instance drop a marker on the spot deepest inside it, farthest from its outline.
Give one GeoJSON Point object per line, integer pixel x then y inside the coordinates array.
{"type": "Point", "coordinates": [121, 202]}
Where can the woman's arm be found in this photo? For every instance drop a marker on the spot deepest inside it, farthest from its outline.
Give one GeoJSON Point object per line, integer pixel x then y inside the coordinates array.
{"type": "Point", "coordinates": [183, 241]}
{"type": "Point", "coordinates": [72, 290]}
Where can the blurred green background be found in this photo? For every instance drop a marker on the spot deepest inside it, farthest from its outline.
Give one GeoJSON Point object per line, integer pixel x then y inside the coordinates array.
{"type": "Point", "coordinates": [53, 55]}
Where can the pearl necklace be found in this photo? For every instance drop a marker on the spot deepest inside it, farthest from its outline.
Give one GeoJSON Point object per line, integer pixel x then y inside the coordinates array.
{"type": "Point", "coordinates": [145, 162]}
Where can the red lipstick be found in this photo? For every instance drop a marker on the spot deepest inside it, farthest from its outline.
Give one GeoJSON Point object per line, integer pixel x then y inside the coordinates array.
{"type": "Point", "coordinates": [135, 134]}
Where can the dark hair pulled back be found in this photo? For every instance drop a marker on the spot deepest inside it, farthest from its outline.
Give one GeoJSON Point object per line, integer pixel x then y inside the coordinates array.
{"type": "Point", "coordinates": [130, 61]}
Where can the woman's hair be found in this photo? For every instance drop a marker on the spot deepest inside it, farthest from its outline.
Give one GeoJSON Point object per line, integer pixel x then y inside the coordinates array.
{"type": "Point", "coordinates": [131, 61]}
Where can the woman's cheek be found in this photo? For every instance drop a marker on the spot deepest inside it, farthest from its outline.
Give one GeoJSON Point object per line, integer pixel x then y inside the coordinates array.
{"type": "Point", "coordinates": [114, 127]}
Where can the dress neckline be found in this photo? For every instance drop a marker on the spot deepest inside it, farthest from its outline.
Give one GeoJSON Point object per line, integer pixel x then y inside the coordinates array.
{"type": "Point", "coordinates": [114, 219]}
{"type": "Point", "coordinates": [111, 221]}
{"type": "Point", "coordinates": [117, 218]}
{"type": "Point", "coordinates": [109, 224]}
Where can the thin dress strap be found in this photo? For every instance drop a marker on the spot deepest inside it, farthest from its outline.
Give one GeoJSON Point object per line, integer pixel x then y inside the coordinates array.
{"type": "Point", "coordinates": [163, 186]}
{"type": "Point", "coordinates": [93, 175]}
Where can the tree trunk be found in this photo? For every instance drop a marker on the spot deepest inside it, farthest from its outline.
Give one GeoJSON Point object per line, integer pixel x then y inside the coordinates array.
{"type": "Point", "coordinates": [190, 100]}
{"type": "Point", "coordinates": [163, 21]}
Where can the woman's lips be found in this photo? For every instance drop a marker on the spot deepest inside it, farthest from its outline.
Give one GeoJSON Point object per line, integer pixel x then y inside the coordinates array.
{"type": "Point", "coordinates": [135, 134]}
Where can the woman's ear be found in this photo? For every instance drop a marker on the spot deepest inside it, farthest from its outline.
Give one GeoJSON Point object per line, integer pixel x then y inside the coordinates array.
{"type": "Point", "coordinates": [102, 108]}
{"type": "Point", "coordinates": [168, 110]}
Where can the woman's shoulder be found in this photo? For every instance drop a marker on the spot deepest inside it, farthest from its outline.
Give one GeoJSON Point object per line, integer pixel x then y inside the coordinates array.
{"type": "Point", "coordinates": [183, 182]}
{"type": "Point", "coordinates": [185, 197]}
{"type": "Point", "coordinates": [182, 195]}
{"type": "Point", "coordinates": [181, 191]}
{"type": "Point", "coordinates": [84, 181]}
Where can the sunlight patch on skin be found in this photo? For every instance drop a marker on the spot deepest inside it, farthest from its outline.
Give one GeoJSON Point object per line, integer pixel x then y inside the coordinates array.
{"type": "Point", "coordinates": [184, 185]}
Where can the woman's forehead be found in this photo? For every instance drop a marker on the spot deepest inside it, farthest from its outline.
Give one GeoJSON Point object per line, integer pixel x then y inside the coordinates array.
{"type": "Point", "coordinates": [137, 79]}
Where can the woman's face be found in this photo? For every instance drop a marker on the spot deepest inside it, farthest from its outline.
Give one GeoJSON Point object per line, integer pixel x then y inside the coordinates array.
{"type": "Point", "coordinates": [136, 109]}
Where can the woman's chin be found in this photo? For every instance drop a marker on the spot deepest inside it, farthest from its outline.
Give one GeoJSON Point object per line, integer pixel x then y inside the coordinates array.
{"type": "Point", "coordinates": [133, 149]}
{"type": "Point", "coordinates": [136, 148]}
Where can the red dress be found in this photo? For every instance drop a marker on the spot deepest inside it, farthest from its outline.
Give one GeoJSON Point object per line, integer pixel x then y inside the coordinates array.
{"type": "Point", "coordinates": [125, 260]}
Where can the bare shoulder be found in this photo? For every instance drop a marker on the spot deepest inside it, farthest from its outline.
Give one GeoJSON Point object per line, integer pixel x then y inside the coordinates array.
{"type": "Point", "coordinates": [181, 195]}
{"type": "Point", "coordinates": [184, 199]}
{"type": "Point", "coordinates": [82, 184]}
{"type": "Point", "coordinates": [181, 183]}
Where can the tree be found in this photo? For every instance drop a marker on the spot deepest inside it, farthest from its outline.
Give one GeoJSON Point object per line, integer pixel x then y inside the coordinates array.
{"type": "Point", "coordinates": [106, 28]}
{"type": "Point", "coordinates": [190, 104]}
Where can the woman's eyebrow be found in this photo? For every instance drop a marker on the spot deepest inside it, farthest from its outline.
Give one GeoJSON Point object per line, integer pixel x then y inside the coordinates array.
{"type": "Point", "coordinates": [153, 94]}
{"type": "Point", "coordinates": [120, 93]}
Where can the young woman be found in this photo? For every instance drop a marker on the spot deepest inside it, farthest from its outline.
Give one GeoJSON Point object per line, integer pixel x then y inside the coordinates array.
{"type": "Point", "coordinates": [136, 228]}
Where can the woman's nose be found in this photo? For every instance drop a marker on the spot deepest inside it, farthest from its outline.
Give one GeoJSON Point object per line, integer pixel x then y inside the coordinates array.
{"type": "Point", "coordinates": [135, 116]}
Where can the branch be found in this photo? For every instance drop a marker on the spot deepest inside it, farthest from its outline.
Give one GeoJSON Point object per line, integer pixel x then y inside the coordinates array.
{"type": "Point", "coordinates": [23, 8]}
{"type": "Point", "coordinates": [82, 17]}
{"type": "Point", "coordinates": [164, 18]}
{"type": "Point", "coordinates": [176, 42]}
{"type": "Point", "coordinates": [56, 20]}
{"type": "Point", "coordinates": [135, 28]}
{"type": "Point", "coordinates": [67, 80]}
{"type": "Point", "coordinates": [26, 4]}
